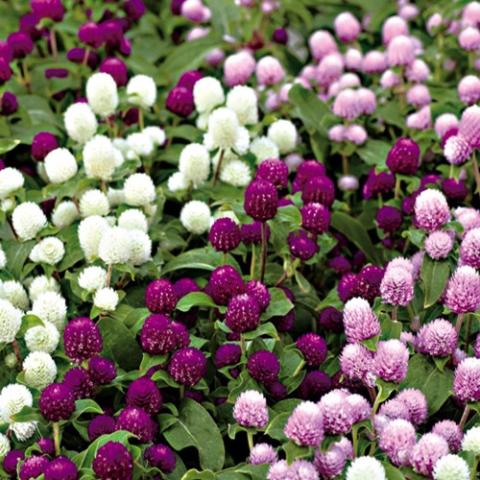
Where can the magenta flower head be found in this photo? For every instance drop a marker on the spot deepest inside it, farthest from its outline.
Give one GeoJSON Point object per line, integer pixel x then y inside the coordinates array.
{"type": "Point", "coordinates": [101, 425]}
{"type": "Point", "coordinates": [330, 464]}
{"type": "Point", "coordinates": [61, 468]}
{"type": "Point", "coordinates": [42, 144]}
{"type": "Point", "coordinates": [90, 33]}
{"type": "Point", "coordinates": [227, 354]}
{"type": "Point", "coordinates": [113, 462]}
{"type": "Point", "coordinates": [144, 393]}
{"type": "Point", "coordinates": [187, 366]}
{"type": "Point", "coordinates": [20, 44]}
{"type": "Point", "coordinates": [137, 421]}
{"type": "Point", "coordinates": [455, 190]}
{"type": "Point", "coordinates": [416, 404]}
{"type": "Point", "coordinates": [346, 287]}
{"type": "Point", "coordinates": [252, 233]}
{"type": "Point", "coordinates": [400, 51]}
{"type": "Point", "coordinates": [160, 296]}
{"type": "Point", "coordinates": [262, 453]}
{"type": "Point", "coordinates": [250, 410]}
{"type": "Point", "coordinates": [338, 416]}
{"type": "Point", "coordinates": [428, 450]}
{"type": "Point", "coordinates": [261, 200]}
{"type": "Point", "coordinates": [57, 402]}
{"type": "Point", "coordinates": [378, 184]}
{"type": "Point", "coordinates": [259, 292]}
{"type": "Point", "coordinates": [157, 336]}
{"type": "Point", "coordinates": [11, 460]}
{"type": "Point", "coordinates": [359, 321]}
{"type": "Point", "coordinates": [117, 69]}
{"type": "Point", "coordinates": [404, 157]}
{"type": "Point", "coordinates": [5, 71]}
{"type": "Point", "coordinates": [189, 78]}
{"type": "Point", "coordinates": [102, 370]}
{"type": "Point", "coordinates": [437, 338]}
{"type": "Point", "coordinates": [180, 101]}
{"type": "Point", "coordinates": [47, 446]}
{"type": "Point", "coordinates": [224, 235]}
{"type": "Point", "coordinates": [52, 9]}
{"type": "Point", "coordinates": [275, 171]}
{"type": "Point", "coordinates": [461, 295]}
{"type": "Point", "coordinates": [305, 425]}
{"type": "Point", "coordinates": [431, 210]}
{"type": "Point", "coordinates": [82, 339]}
{"type": "Point", "coordinates": [391, 361]}
{"type": "Point", "coordinates": [451, 432]}
{"type": "Point", "coordinates": [8, 104]}
{"type": "Point", "coordinates": [347, 27]}
{"type": "Point", "coordinates": [313, 348]}
{"type": "Point", "coordinates": [356, 362]}
{"type": "Point", "coordinates": [347, 104]}
{"type": "Point", "coordinates": [319, 189]}
{"type": "Point", "coordinates": [224, 283]}
{"type": "Point", "coordinates": [243, 313]}
{"type": "Point", "coordinates": [314, 385]}
{"type": "Point", "coordinates": [397, 286]}
{"type": "Point", "coordinates": [33, 467]}
{"type": "Point", "coordinates": [389, 219]}
{"type": "Point", "coordinates": [263, 366]}
{"type": "Point", "coordinates": [80, 382]}
{"type": "Point", "coordinates": [466, 382]}
{"type": "Point", "coordinates": [331, 319]}
{"type": "Point", "coordinates": [368, 282]}
{"type": "Point", "coordinates": [134, 9]}
{"type": "Point", "coordinates": [307, 170]}
{"type": "Point", "coordinates": [439, 244]}
{"type": "Point", "coordinates": [162, 457]}
{"type": "Point", "coordinates": [315, 217]}
{"type": "Point", "coordinates": [301, 245]}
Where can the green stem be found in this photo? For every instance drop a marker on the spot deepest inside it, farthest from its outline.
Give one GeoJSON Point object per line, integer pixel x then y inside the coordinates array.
{"type": "Point", "coordinates": [250, 439]}
{"type": "Point", "coordinates": [109, 275]}
{"type": "Point", "coordinates": [463, 420]}
{"type": "Point", "coordinates": [458, 325]}
{"type": "Point", "coordinates": [219, 167]}
{"type": "Point", "coordinates": [253, 262]}
{"type": "Point", "coordinates": [243, 345]}
{"type": "Point", "coordinates": [474, 469]}
{"type": "Point", "coordinates": [468, 328]}
{"type": "Point", "coordinates": [140, 119]}
{"type": "Point", "coordinates": [344, 164]}
{"type": "Point", "coordinates": [182, 392]}
{"type": "Point", "coordinates": [476, 171]}
{"type": "Point", "coordinates": [395, 313]}
{"type": "Point", "coordinates": [263, 259]}
{"type": "Point", "coordinates": [56, 437]}
{"type": "Point", "coordinates": [398, 182]}
{"type": "Point", "coordinates": [355, 441]}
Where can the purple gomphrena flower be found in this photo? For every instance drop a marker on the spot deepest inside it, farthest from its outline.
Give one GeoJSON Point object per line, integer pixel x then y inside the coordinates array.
{"type": "Point", "coordinates": [137, 421]}
{"type": "Point", "coordinates": [301, 245]}
{"type": "Point", "coordinates": [361, 408]}
{"type": "Point", "coordinates": [280, 36]}
{"type": "Point", "coordinates": [274, 171]}
{"type": "Point", "coordinates": [251, 410]}
{"type": "Point", "coordinates": [397, 439]}
{"type": "Point", "coordinates": [404, 157]}
{"type": "Point", "coordinates": [180, 101]}
{"type": "Point", "coordinates": [243, 313]}
{"type": "Point", "coordinates": [303, 469]}
{"type": "Point", "coordinates": [393, 409]}
{"type": "Point", "coordinates": [331, 319]}
{"type": "Point", "coordinates": [337, 412]}
{"type": "Point", "coordinates": [47, 446]}
{"type": "Point", "coordinates": [102, 370]}
{"type": "Point", "coordinates": [319, 189]}
{"type": "Point", "coordinates": [368, 282]}
{"type": "Point", "coordinates": [305, 425]}
{"type": "Point", "coordinates": [162, 457]}
{"type": "Point", "coordinates": [157, 336]}
{"type": "Point", "coordinates": [263, 366]}
{"type": "Point", "coordinates": [189, 78]}
{"type": "Point", "coordinates": [451, 432]}
{"type": "Point", "coordinates": [80, 382]}
{"type": "Point", "coordinates": [227, 354]}
{"type": "Point", "coordinates": [11, 460]}
{"type": "Point", "coordinates": [42, 144]}
{"type": "Point", "coordinates": [280, 470]}
{"type": "Point", "coordinates": [307, 170]}
{"type": "Point", "coordinates": [470, 248]}
{"type": "Point", "coordinates": [356, 362]}
{"type": "Point", "coordinates": [277, 390]}
{"type": "Point", "coordinates": [437, 338]}
{"type": "Point", "coordinates": [187, 366]}
{"type": "Point", "coordinates": [261, 200]}
{"type": "Point", "coordinates": [252, 233]}
{"type": "Point", "coordinates": [134, 9]}
{"type": "Point", "coordinates": [5, 71]}
{"type": "Point", "coordinates": [33, 467]}
{"type": "Point", "coordinates": [466, 382]}
{"type": "Point", "coordinates": [378, 184]}
{"type": "Point", "coordinates": [57, 402]}
{"type": "Point", "coordinates": [439, 244]}
{"type": "Point", "coordinates": [82, 339]}
{"type": "Point", "coordinates": [113, 462]}
{"type": "Point", "coordinates": [391, 361]}
{"type": "Point", "coordinates": [262, 453]}
{"type": "Point", "coordinates": [144, 393]}
{"type": "Point", "coordinates": [315, 217]}
{"type": "Point", "coordinates": [431, 210]}
{"type": "Point", "coordinates": [400, 51]}
{"type": "Point", "coordinates": [224, 283]}
{"type": "Point", "coordinates": [160, 296]}
{"type": "Point", "coordinates": [416, 403]}
{"type": "Point", "coordinates": [359, 321]}
{"type": "Point", "coordinates": [340, 264]}
{"type": "Point", "coordinates": [90, 34]}
{"type": "Point", "coordinates": [330, 464]}
{"type": "Point", "coordinates": [101, 425]}
{"type": "Point", "coordinates": [20, 43]}
{"type": "Point", "coordinates": [461, 295]}
{"type": "Point", "coordinates": [184, 286]}
{"type": "Point", "coordinates": [224, 235]}
{"type": "Point", "coordinates": [455, 190]}
{"type": "Point", "coordinates": [397, 286]}
{"type": "Point", "coordinates": [389, 219]}
{"type": "Point", "coordinates": [48, 9]}
{"type": "Point", "coordinates": [259, 292]}
{"type": "Point", "coordinates": [426, 452]}
{"type": "Point", "coordinates": [347, 286]}
{"type": "Point", "coordinates": [314, 385]}
{"type": "Point", "coordinates": [313, 348]}
{"type": "Point", "coordinates": [61, 468]}
{"type": "Point", "coordinates": [8, 104]}
{"type": "Point", "coordinates": [117, 69]}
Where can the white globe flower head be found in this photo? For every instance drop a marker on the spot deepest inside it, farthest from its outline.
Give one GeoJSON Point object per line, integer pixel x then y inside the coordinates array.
{"type": "Point", "coordinates": [116, 196]}
{"type": "Point", "coordinates": [121, 144]}
{"type": "Point", "coordinates": [4, 445]}
{"type": "Point", "coordinates": [3, 258]}
{"type": "Point", "coordinates": [7, 205]}
{"type": "Point", "coordinates": [42, 173]}
{"type": "Point", "coordinates": [243, 141]}
{"type": "Point", "coordinates": [115, 246]}
{"type": "Point", "coordinates": [49, 250]}
{"type": "Point", "coordinates": [51, 307]}
{"type": "Point", "coordinates": [222, 130]}
{"type": "Point", "coordinates": [366, 468]}
{"type": "Point", "coordinates": [156, 134]}
{"type": "Point", "coordinates": [90, 232]}
{"type": "Point", "coordinates": [471, 441]}
{"type": "Point", "coordinates": [42, 338]}
{"type": "Point", "coordinates": [284, 134]}
{"type": "Point", "coordinates": [195, 217]}
{"type": "Point", "coordinates": [80, 122]}
{"type": "Point", "coordinates": [140, 143]}
{"type": "Point", "coordinates": [64, 214]}
{"type": "Point", "coordinates": [10, 360]}
{"type": "Point", "coordinates": [94, 202]}
{"type": "Point", "coordinates": [202, 121]}
{"type": "Point", "coordinates": [236, 173]}
{"type": "Point", "coordinates": [60, 165]}
{"type": "Point", "coordinates": [263, 148]}
{"type": "Point", "coordinates": [28, 219]}
{"type": "Point", "coordinates": [243, 101]}
{"type": "Point", "coordinates": [102, 94]}
{"type": "Point", "coordinates": [139, 190]}
{"type": "Point", "coordinates": [99, 157]}
{"type": "Point", "coordinates": [106, 299]}
{"type": "Point", "coordinates": [208, 94]}
{"type": "Point", "coordinates": [13, 398]}
{"type": "Point", "coordinates": [14, 292]}
{"type": "Point", "coordinates": [194, 164]}
{"type": "Point", "coordinates": [142, 91]}
{"type": "Point", "coordinates": [451, 467]}
{"type": "Point", "coordinates": [10, 321]}
{"type": "Point", "coordinates": [11, 180]}
{"type": "Point", "coordinates": [39, 370]}
{"type": "Point", "coordinates": [42, 284]}
{"type": "Point", "coordinates": [118, 157]}
{"type": "Point", "coordinates": [177, 182]}
{"type": "Point", "coordinates": [141, 247]}
{"type": "Point", "coordinates": [92, 278]}
{"type": "Point", "coordinates": [23, 430]}
{"type": "Point", "coordinates": [133, 219]}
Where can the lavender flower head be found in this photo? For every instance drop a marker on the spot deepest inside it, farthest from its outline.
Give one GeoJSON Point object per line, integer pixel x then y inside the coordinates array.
{"type": "Point", "coordinates": [359, 321]}
{"type": "Point", "coordinates": [330, 463]}
{"type": "Point", "coordinates": [451, 432]}
{"type": "Point", "coordinates": [361, 407]}
{"type": "Point", "coordinates": [470, 248]}
{"type": "Point", "coordinates": [338, 416]}
{"type": "Point", "coordinates": [439, 244]}
{"type": "Point", "coordinates": [397, 439]}
{"type": "Point", "coordinates": [437, 338]}
{"type": "Point", "coordinates": [393, 409]}
{"type": "Point", "coordinates": [305, 425]}
{"type": "Point", "coordinates": [279, 471]}
{"type": "Point", "coordinates": [397, 287]}
{"type": "Point", "coordinates": [356, 362]}
{"type": "Point", "coordinates": [431, 210]}
{"type": "Point", "coordinates": [250, 410]}
{"type": "Point", "coordinates": [428, 450]}
{"type": "Point", "coordinates": [461, 295]}
{"type": "Point", "coordinates": [304, 470]}
{"type": "Point", "coordinates": [391, 361]}
{"type": "Point", "coordinates": [262, 453]}
{"type": "Point", "coordinates": [416, 403]}
{"type": "Point", "coordinates": [466, 382]}
{"type": "Point", "coordinates": [456, 149]}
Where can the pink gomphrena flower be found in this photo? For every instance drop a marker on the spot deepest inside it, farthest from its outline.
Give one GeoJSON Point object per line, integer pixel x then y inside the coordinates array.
{"type": "Point", "coordinates": [437, 338]}
{"type": "Point", "coordinates": [417, 45]}
{"type": "Point", "coordinates": [466, 382]}
{"type": "Point", "coordinates": [356, 134]}
{"type": "Point", "coordinates": [431, 210]}
{"type": "Point", "coordinates": [430, 448]}
{"type": "Point", "coordinates": [393, 409]}
{"type": "Point", "coordinates": [195, 11]}
{"type": "Point", "coordinates": [454, 27]}
{"type": "Point", "coordinates": [418, 95]}
{"type": "Point", "coordinates": [421, 120]}
{"type": "Point", "coordinates": [400, 51]}
{"type": "Point", "coordinates": [196, 33]}
{"type": "Point", "coordinates": [471, 14]}
{"type": "Point", "coordinates": [269, 6]}
{"type": "Point", "coordinates": [330, 464]}
{"type": "Point", "coordinates": [374, 62]}
{"type": "Point", "coordinates": [322, 43]}
{"type": "Point", "coordinates": [469, 39]}
{"type": "Point", "coordinates": [347, 27]}
{"type": "Point", "coordinates": [346, 105]}
{"type": "Point", "coordinates": [303, 470]}
{"type": "Point", "coordinates": [400, 262]}
{"type": "Point", "coordinates": [272, 102]}
{"type": "Point", "coordinates": [367, 100]}
{"type": "Point", "coordinates": [279, 471]}
{"type": "Point", "coordinates": [469, 89]}
{"type": "Point", "coordinates": [434, 22]}
{"type": "Point", "coordinates": [470, 248]}
{"type": "Point", "coordinates": [408, 11]}
{"type": "Point", "coordinates": [393, 27]}
{"type": "Point", "coordinates": [407, 337]}
{"type": "Point", "coordinates": [238, 68]}
{"type": "Point", "coordinates": [309, 73]}
{"type": "Point", "coordinates": [329, 69]}
{"type": "Point", "coordinates": [269, 71]}
{"type": "Point", "coordinates": [457, 150]}
{"type": "Point", "coordinates": [359, 321]}
{"type": "Point", "coordinates": [337, 413]}
{"type": "Point", "coordinates": [461, 295]}
{"type": "Point", "coordinates": [305, 425]}
{"type": "Point", "coordinates": [397, 287]}
{"type": "Point", "coordinates": [444, 123]}
{"type": "Point", "coordinates": [397, 438]}
{"type": "Point", "coordinates": [250, 409]}
{"type": "Point", "coordinates": [262, 453]}
{"type": "Point", "coordinates": [348, 183]}
{"type": "Point", "coordinates": [391, 361]}
{"type": "Point", "coordinates": [416, 403]}
{"type": "Point", "coordinates": [353, 59]}
{"type": "Point", "coordinates": [469, 126]}
{"type": "Point", "coordinates": [439, 244]}
{"type": "Point", "coordinates": [337, 133]}
{"type": "Point", "coordinates": [417, 71]}
{"type": "Point", "coordinates": [417, 262]}
{"type": "Point", "coordinates": [215, 57]}
{"type": "Point", "coordinates": [451, 432]}
{"type": "Point", "coordinates": [347, 447]}
{"type": "Point", "coordinates": [356, 362]}
{"type": "Point", "coordinates": [361, 407]}
{"type": "Point", "coordinates": [467, 217]}
{"type": "Point", "coordinates": [458, 357]}
{"type": "Point", "coordinates": [380, 422]}
{"type": "Point", "coordinates": [349, 80]}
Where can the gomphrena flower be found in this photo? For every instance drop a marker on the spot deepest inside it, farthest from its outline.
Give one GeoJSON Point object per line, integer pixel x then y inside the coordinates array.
{"type": "Point", "coordinates": [428, 450]}
{"type": "Point", "coordinates": [466, 382]}
{"type": "Point", "coordinates": [359, 321]}
{"type": "Point", "coordinates": [439, 244]}
{"type": "Point", "coordinates": [263, 366]}
{"type": "Point", "coordinates": [262, 453]}
{"type": "Point", "coordinates": [33, 467]}
{"type": "Point", "coordinates": [252, 233]}
{"type": "Point", "coordinates": [319, 189]}
{"type": "Point", "coordinates": [304, 469]}
{"type": "Point", "coordinates": [100, 425]}
{"type": "Point", "coordinates": [157, 337]}
{"type": "Point", "coordinates": [227, 354]}
{"type": "Point", "coordinates": [42, 144]}
{"type": "Point", "coordinates": [302, 245]}
{"type": "Point", "coordinates": [162, 457]}
{"type": "Point", "coordinates": [82, 339]}
{"type": "Point", "coordinates": [365, 467]}
{"type": "Point", "coordinates": [275, 171]}
{"type": "Point", "coordinates": [468, 127]}
{"type": "Point", "coordinates": [367, 282]}
{"type": "Point", "coordinates": [224, 235]}
{"type": "Point", "coordinates": [137, 421]}
{"type": "Point", "coordinates": [361, 408]}
{"type": "Point", "coordinates": [431, 210]}
{"type": "Point", "coordinates": [113, 461]}
{"type": "Point", "coordinates": [243, 313]}
{"type": "Point", "coordinates": [80, 382]}
{"type": "Point", "coordinates": [187, 366]}
{"type": "Point", "coordinates": [389, 219]}
{"type": "Point", "coordinates": [437, 338]}
{"type": "Point", "coordinates": [456, 149]}
{"type": "Point", "coordinates": [261, 200]}
{"type": "Point", "coordinates": [102, 370]}
{"type": "Point", "coordinates": [144, 393]}
{"type": "Point", "coordinates": [259, 292]}
{"type": "Point", "coordinates": [224, 283]}
{"type": "Point", "coordinates": [451, 432]}
{"type": "Point", "coordinates": [397, 439]}
{"type": "Point", "coordinates": [356, 362]}
{"type": "Point", "coordinates": [160, 296]}
{"type": "Point", "coordinates": [280, 470]}
{"type": "Point", "coordinates": [451, 467]}
{"type": "Point", "coordinates": [11, 460]}
{"type": "Point", "coordinates": [47, 446]}
{"type": "Point", "coordinates": [471, 441]}
{"type": "Point", "coordinates": [337, 413]}
{"type": "Point", "coordinates": [315, 217]}
{"type": "Point", "coordinates": [397, 287]}
{"type": "Point", "coordinates": [391, 361]}
{"type": "Point", "coordinates": [61, 468]}
{"type": "Point", "coordinates": [416, 404]}
{"type": "Point", "coordinates": [305, 425]}
{"type": "Point", "coordinates": [393, 409]}
{"type": "Point", "coordinates": [314, 385]}
{"type": "Point", "coordinates": [313, 348]}
{"type": "Point", "coordinates": [404, 157]}
{"type": "Point", "coordinates": [330, 463]}
{"type": "Point", "coordinates": [461, 295]}
{"type": "Point", "coordinates": [57, 402]}
{"type": "Point", "coordinates": [470, 248]}
{"type": "Point", "coordinates": [250, 409]}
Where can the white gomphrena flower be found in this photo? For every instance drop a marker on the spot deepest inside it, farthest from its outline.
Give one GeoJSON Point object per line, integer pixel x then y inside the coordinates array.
{"type": "Point", "coordinates": [7, 205]}
{"type": "Point", "coordinates": [140, 143]}
{"type": "Point", "coordinates": [139, 190]}
{"type": "Point", "coordinates": [156, 134]}
{"type": "Point", "coordinates": [60, 165]}
{"type": "Point", "coordinates": [42, 284]}
{"type": "Point", "coordinates": [451, 467]}
{"type": "Point", "coordinates": [49, 250]}
{"type": "Point", "coordinates": [118, 157]}
{"type": "Point", "coordinates": [3, 258]}
{"type": "Point", "coordinates": [366, 468]}
{"type": "Point", "coordinates": [140, 248]}
{"type": "Point", "coordinates": [28, 219]}
{"type": "Point", "coordinates": [263, 148]}
{"type": "Point", "coordinates": [177, 182]}
{"type": "Point", "coordinates": [284, 134]}
{"type": "Point", "coordinates": [106, 299]}
{"type": "Point", "coordinates": [51, 307]}
{"type": "Point", "coordinates": [202, 121]}
{"type": "Point", "coordinates": [142, 91]}
{"type": "Point", "coordinates": [236, 173]}
{"type": "Point", "coordinates": [90, 231]}
{"type": "Point", "coordinates": [11, 180]}
{"type": "Point", "coordinates": [4, 445]}
{"type": "Point", "coordinates": [10, 360]}
{"type": "Point", "coordinates": [94, 202]}
{"type": "Point", "coordinates": [15, 293]}
{"type": "Point", "coordinates": [133, 219]}
{"type": "Point", "coordinates": [39, 370]}
{"type": "Point", "coordinates": [99, 157]}
{"type": "Point", "coordinates": [223, 129]}
{"type": "Point", "coordinates": [23, 430]}
{"type": "Point", "coordinates": [115, 246]}
{"type": "Point", "coordinates": [207, 94]}
{"type": "Point", "coordinates": [243, 101]}
{"type": "Point", "coordinates": [471, 441]}
{"type": "Point", "coordinates": [42, 338]}
{"type": "Point", "coordinates": [92, 278]}
{"type": "Point", "coordinates": [13, 398]}
{"type": "Point", "coordinates": [80, 122]}
{"type": "Point", "coordinates": [194, 164]}
{"type": "Point", "coordinates": [116, 196]}
{"type": "Point", "coordinates": [243, 141]}
{"type": "Point", "coordinates": [102, 94]}
{"type": "Point", "coordinates": [64, 214]}
{"type": "Point", "coordinates": [195, 217]}
{"type": "Point", "coordinates": [121, 144]}
{"type": "Point", "coordinates": [10, 321]}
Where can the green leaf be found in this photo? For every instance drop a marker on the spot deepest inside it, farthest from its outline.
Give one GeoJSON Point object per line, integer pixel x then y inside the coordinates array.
{"type": "Point", "coordinates": [255, 472]}
{"type": "Point", "coordinates": [392, 472]}
{"type": "Point", "coordinates": [87, 405]}
{"type": "Point", "coordinates": [374, 152]}
{"type": "Point", "coordinates": [276, 426]}
{"type": "Point", "coordinates": [279, 304]}
{"type": "Point", "coordinates": [17, 254]}
{"type": "Point", "coordinates": [27, 414]}
{"type": "Point", "coordinates": [268, 329]}
{"type": "Point", "coordinates": [294, 452]}
{"type": "Point", "coordinates": [434, 275]}
{"type": "Point", "coordinates": [29, 321]}
{"type": "Point", "coordinates": [195, 299]}
{"type": "Point", "coordinates": [7, 144]}
{"type": "Point", "coordinates": [194, 474]}
{"type": "Point", "coordinates": [291, 215]}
